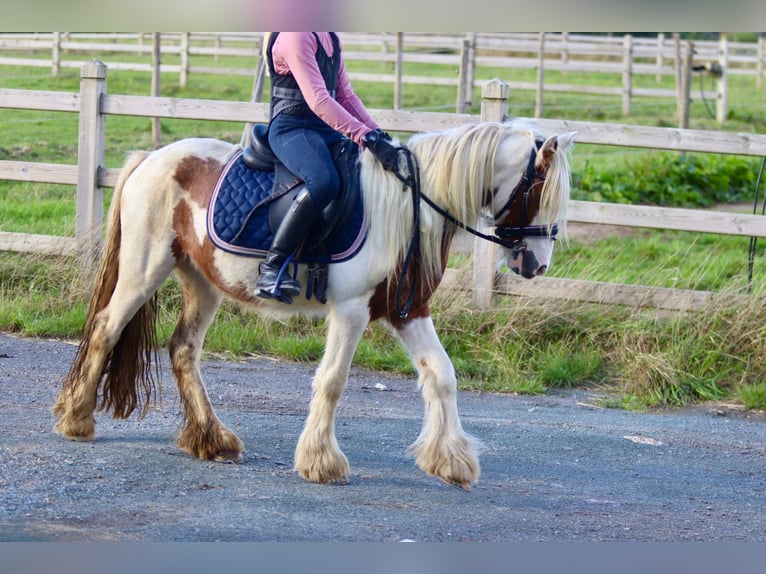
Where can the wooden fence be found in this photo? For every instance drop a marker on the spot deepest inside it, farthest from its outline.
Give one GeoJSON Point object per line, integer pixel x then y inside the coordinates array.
{"type": "Point", "coordinates": [626, 57]}
{"type": "Point", "coordinates": [93, 103]}
{"type": "Point", "coordinates": [470, 54]}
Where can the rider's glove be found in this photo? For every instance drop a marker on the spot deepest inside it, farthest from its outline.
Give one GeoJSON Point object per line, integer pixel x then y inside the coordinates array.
{"type": "Point", "coordinates": [383, 148]}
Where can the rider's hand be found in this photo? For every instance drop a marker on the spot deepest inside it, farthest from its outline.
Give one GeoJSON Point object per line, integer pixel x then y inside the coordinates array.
{"type": "Point", "coordinates": [383, 148]}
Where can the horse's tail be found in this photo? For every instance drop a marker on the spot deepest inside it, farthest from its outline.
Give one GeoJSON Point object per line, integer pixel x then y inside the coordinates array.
{"type": "Point", "coordinates": [127, 367]}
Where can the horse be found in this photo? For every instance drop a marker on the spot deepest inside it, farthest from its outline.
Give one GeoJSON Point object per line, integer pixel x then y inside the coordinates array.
{"type": "Point", "coordinates": [156, 226]}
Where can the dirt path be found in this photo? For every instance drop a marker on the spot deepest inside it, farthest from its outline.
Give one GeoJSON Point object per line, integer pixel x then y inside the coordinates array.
{"type": "Point", "coordinates": [554, 468]}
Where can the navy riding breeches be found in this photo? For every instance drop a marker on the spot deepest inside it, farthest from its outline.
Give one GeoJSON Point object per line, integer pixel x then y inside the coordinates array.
{"type": "Point", "coordinates": [302, 143]}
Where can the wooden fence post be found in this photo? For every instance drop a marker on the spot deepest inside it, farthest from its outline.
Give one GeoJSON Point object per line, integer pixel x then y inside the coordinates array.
{"type": "Point", "coordinates": [156, 64]}
{"type": "Point", "coordinates": [685, 99]}
{"type": "Point", "coordinates": [723, 62]}
{"type": "Point", "coordinates": [471, 75]}
{"type": "Point", "coordinates": [398, 71]}
{"type": "Point", "coordinates": [627, 74]}
{"type": "Point", "coordinates": [677, 64]}
{"type": "Point", "coordinates": [90, 158]}
{"type": "Point", "coordinates": [494, 107]}
{"type": "Point", "coordinates": [56, 55]}
{"type": "Point", "coordinates": [660, 56]}
{"type": "Point", "coordinates": [462, 83]}
{"type": "Point", "coordinates": [540, 75]}
{"type": "Point", "coordinates": [759, 63]}
{"type": "Point", "coordinates": [257, 96]}
{"type": "Point", "coordinates": [183, 76]}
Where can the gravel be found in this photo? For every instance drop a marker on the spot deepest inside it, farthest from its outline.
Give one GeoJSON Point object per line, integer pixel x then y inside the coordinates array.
{"type": "Point", "coordinates": [554, 467]}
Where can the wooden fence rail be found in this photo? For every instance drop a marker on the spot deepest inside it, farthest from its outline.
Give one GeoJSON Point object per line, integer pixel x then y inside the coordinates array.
{"type": "Point", "coordinates": [93, 103]}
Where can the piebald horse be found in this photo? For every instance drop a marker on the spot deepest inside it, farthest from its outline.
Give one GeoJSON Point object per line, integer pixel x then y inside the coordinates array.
{"type": "Point", "coordinates": [157, 226]}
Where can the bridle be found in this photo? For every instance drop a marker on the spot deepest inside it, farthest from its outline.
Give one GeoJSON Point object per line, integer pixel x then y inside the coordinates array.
{"type": "Point", "coordinates": [506, 235]}
{"type": "Point", "coordinates": [510, 236]}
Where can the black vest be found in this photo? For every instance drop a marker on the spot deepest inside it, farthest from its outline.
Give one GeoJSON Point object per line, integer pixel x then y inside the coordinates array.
{"type": "Point", "coordinates": [286, 96]}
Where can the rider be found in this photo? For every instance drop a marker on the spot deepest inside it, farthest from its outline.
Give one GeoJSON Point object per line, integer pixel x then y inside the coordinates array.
{"type": "Point", "coordinates": [312, 106]}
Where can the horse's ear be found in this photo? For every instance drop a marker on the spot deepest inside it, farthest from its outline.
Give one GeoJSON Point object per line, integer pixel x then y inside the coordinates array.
{"type": "Point", "coordinates": [566, 140]}
{"type": "Point", "coordinates": [545, 155]}
{"type": "Point", "coordinates": [550, 147]}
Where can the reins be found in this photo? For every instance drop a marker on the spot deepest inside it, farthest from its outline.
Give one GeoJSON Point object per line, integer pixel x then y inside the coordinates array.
{"type": "Point", "coordinates": [413, 251]}
{"type": "Point", "coordinates": [510, 237]}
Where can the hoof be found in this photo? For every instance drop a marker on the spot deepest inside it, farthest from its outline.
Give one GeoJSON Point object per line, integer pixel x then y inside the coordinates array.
{"type": "Point", "coordinates": [462, 485]}
{"type": "Point", "coordinates": [319, 478]}
{"type": "Point", "coordinates": [216, 443]}
{"type": "Point", "coordinates": [319, 459]}
{"type": "Point", "coordinates": [229, 457]}
{"type": "Point", "coordinates": [456, 463]}
{"type": "Point", "coordinates": [83, 430]}
{"type": "Point", "coordinates": [330, 468]}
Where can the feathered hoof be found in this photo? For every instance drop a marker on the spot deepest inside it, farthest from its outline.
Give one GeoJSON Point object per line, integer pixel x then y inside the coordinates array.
{"type": "Point", "coordinates": [322, 465]}
{"type": "Point", "coordinates": [71, 427]}
{"type": "Point", "coordinates": [216, 443]}
{"type": "Point", "coordinates": [457, 465]}
{"type": "Point", "coordinates": [82, 431]}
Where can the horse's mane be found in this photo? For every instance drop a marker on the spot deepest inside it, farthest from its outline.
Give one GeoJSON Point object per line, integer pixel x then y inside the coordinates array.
{"type": "Point", "coordinates": [456, 169]}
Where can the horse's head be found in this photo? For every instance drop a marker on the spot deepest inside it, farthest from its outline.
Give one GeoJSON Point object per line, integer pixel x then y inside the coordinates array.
{"type": "Point", "coordinates": [531, 191]}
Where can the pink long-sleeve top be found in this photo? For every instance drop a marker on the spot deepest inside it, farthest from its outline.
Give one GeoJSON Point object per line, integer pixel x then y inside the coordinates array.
{"type": "Point", "coordinates": [295, 53]}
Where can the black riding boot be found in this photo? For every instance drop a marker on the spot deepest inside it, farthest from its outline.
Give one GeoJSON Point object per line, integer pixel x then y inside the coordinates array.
{"type": "Point", "coordinates": [288, 239]}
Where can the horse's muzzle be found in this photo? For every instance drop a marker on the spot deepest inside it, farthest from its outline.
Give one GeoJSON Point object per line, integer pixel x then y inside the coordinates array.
{"type": "Point", "coordinates": [530, 267]}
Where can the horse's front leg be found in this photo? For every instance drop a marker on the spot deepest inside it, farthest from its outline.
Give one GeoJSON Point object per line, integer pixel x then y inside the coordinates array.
{"type": "Point", "coordinates": [318, 457]}
{"type": "Point", "coordinates": [443, 448]}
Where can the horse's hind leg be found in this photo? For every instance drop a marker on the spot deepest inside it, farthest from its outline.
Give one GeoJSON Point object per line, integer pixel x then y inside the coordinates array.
{"type": "Point", "coordinates": [76, 402]}
{"type": "Point", "coordinates": [443, 448]}
{"type": "Point", "coordinates": [116, 336]}
{"type": "Point", "coordinates": [202, 434]}
{"type": "Point", "coordinates": [318, 457]}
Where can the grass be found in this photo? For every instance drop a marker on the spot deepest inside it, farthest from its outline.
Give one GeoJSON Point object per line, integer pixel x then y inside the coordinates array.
{"type": "Point", "coordinates": [640, 358]}
{"type": "Point", "coordinates": [561, 366]}
{"type": "Point", "coordinates": [637, 358]}
{"type": "Point", "coordinates": [679, 260]}
{"type": "Point", "coordinates": [753, 396]}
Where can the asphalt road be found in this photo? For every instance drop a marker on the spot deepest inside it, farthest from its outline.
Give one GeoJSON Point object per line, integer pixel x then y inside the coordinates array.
{"type": "Point", "coordinates": [555, 468]}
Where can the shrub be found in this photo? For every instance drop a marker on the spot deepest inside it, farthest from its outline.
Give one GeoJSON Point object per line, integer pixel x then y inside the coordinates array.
{"type": "Point", "coordinates": [671, 179]}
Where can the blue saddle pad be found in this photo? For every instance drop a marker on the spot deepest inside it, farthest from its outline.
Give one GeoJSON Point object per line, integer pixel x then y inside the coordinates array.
{"type": "Point", "coordinates": [238, 218]}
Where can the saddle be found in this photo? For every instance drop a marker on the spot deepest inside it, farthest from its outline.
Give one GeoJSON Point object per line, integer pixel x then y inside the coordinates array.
{"type": "Point", "coordinates": [255, 191]}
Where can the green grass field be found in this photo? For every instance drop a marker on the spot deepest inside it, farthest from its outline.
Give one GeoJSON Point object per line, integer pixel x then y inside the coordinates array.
{"type": "Point", "coordinates": [638, 359]}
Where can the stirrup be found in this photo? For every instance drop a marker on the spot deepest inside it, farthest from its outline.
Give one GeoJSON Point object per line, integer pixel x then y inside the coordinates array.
{"type": "Point", "coordinates": [276, 290]}
{"type": "Point", "coordinates": [275, 293]}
